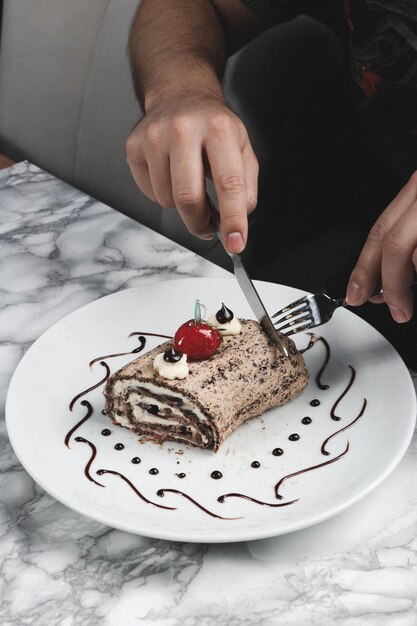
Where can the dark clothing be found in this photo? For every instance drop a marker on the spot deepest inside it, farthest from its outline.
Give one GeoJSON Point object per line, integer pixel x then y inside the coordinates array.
{"type": "Point", "coordinates": [380, 38]}
{"type": "Point", "coordinates": [333, 119]}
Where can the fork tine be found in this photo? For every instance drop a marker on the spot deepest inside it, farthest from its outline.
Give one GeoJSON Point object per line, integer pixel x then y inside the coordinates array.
{"type": "Point", "coordinates": [292, 306]}
{"type": "Point", "coordinates": [296, 322]}
{"type": "Point", "coordinates": [298, 329]}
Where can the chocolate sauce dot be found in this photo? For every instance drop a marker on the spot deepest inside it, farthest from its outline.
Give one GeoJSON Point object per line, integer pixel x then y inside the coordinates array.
{"type": "Point", "coordinates": [255, 464]}
{"type": "Point", "coordinates": [135, 460]}
{"type": "Point", "coordinates": [315, 402]}
{"type": "Point", "coordinates": [277, 451]}
{"type": "Point", "coordinates": [306, 420]}
{"type": "Point", "coordinates": [153, 408]}
{"type": "Point", "coordinates": [119, 446]}
{"type": "Point", "coordinates": [294, 437]}
{"type": "Point", "coordinates": [103, 412]}
{"type": "Point", "coordinates": [216, 475]}
{"type": "Point", "coordinates": [106, 432]}
{"type": "Point", "coordinates": [154, 471]}
{"type": "Point", "coordinates": [182, 475]}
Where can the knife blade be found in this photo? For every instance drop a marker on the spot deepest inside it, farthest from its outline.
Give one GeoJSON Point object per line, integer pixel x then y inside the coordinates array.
{"type": "Point", "coordinates": [249, 290]}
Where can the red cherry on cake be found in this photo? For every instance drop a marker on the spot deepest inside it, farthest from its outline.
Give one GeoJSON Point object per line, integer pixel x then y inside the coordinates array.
{"type": "Point", "coordinates": [197, 340]}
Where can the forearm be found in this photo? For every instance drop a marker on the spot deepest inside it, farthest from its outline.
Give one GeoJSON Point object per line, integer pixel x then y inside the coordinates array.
{"type": "Point", "coordinates": [176, 47]}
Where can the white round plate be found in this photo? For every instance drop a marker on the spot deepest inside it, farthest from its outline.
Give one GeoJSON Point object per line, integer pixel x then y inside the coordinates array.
{"type": "Point", "coordinates": [56, 369]}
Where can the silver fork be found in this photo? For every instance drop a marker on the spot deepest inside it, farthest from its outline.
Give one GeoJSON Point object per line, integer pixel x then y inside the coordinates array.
{"type": "Point", "coordinates": [307, 312]}
{"type": "Point", "coordinates": [311, 311]}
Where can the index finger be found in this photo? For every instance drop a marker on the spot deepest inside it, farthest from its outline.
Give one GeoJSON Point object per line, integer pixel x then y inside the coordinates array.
{"type": "Point", "coordinates": [227, 168]}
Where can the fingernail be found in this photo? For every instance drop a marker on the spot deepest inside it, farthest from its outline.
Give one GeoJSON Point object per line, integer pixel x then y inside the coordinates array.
{"type": "Point", "coordinates": [354, 293]}
{"type": "Point", "coordinates": [234, 242]}
{"type": "Point", "coordinates": [207, 237]}
{"type": "Point", "coordinates": [399, 315]}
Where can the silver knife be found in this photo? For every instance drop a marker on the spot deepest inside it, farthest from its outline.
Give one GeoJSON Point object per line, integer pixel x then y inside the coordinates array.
{"type": "Point", "coordinates": [249, 290]}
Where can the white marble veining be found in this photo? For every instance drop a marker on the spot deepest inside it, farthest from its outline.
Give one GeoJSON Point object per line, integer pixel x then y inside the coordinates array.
{"type": "Point", "coordinates": [59, 249]}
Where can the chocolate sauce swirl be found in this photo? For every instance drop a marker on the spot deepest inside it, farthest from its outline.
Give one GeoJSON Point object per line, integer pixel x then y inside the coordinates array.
{"type": "Point", "coordinates": [93, 456]}
{"type": "Point", "coordinates": [80, 395]}
{"type": "Point", "coordinates": [320, 385]}
{"type": "Point", "coordinates": [326, 441]}
{"type": "Point", "coordinates": [333, 415]}
{"type": "Point", "coordinates": [100, 472]}
{"type": "Point", "coordinates": [162, 492]}
{"type": "Point", "coordinates": [222, 498]}
{"type": "Point", "coordinates": [151, 335]}
{"type": "Point", "coordinates": [313, 340]}
{"type": "Point", "coordinates": [78, 424]}
{"type": "Point", "coordinates": [142, 342]}
{"type": "Point", "coordinates": [307, 469]}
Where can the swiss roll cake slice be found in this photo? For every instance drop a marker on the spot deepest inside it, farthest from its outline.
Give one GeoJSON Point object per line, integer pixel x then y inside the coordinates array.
{"type": "Point", "coordinates": [245, 377]}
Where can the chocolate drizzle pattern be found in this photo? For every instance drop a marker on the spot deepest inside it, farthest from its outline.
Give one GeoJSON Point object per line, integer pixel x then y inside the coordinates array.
{"type": "Point", "coordinates": [93, 456]}
{"type": "Point", "coordinates": [162, 492]}
{"type": "Point", "coordinates": [150, 335]}
{"type": "Point", "coordinates": [313, 340]}
{"type": "Point", "coordinates": [244, 496]}
{"type": "Point", "coordinates": [83, 393]}
{"type": "Point", "coordinates": [307, 469]}
{"type": "Point", "coordinates": [333, 415]}
{"type": "Point", "coordinates": [142, 342]}
{"type": "Point", "coordinates": [215, 474]}
{"type": "Point", "coordinates": [326, 441]}
{"type": "Point", "coordinates": [78, 424]}
{"type": "Point", "coordinates": [100, 472]}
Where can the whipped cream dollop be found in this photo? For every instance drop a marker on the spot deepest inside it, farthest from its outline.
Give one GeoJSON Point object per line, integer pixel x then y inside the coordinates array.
{"type": "Point", "coordinates": [171, 364]}
{"type": "Point", "coordinates": [225, 321]}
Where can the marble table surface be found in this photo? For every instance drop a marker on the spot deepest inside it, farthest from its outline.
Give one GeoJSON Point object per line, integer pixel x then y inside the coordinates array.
{"type": "Point", "coordinates": [60, 249]}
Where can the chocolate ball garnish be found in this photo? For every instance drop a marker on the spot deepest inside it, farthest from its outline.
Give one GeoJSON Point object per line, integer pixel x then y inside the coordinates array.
{"type": "Point", "coordinates": [172, 356]}
{"type": "Point", "coordinates": [306, 420]}
{"type": "Point", "coordinates": [294, 437]}
{"type": "Point", "coordinates": [255, 464]}
{"type": "Point", "coordinates": [216, 475]}
{"type": "Point", "coordinates": [224, 315]}
{"type": "Point", "coordinates": [277, 451]}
